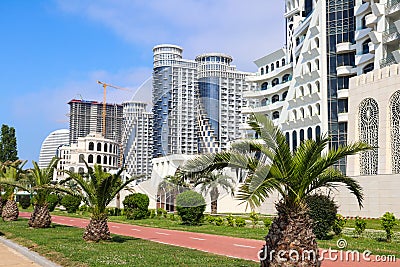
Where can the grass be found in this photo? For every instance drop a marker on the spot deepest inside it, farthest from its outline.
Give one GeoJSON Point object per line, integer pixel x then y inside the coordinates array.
{"type": "Point", "coordinates": [372, 240]}
{"type": "Point", "coordinates": [64, 245]}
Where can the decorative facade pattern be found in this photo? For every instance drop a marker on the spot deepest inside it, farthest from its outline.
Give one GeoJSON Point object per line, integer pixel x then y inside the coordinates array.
{"type": "Point", "coordinates": [368, 121]}
{"type": "Point", "coordinates": [395, 130]}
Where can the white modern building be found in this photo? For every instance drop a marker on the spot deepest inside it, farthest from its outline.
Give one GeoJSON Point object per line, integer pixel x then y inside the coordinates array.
{"type": "Point", "coordinates": [94, 149]}
{"type": "Point", "coordinates": [50, 146]}
{"type": "Point", "coordinates": [137, 139]}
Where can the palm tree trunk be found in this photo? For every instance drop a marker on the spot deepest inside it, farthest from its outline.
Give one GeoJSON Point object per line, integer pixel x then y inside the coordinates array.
{"type": "Point", "coordinates": [10, 211]}
{"type": "Point", "coordinates": [214, 200]}
{"type": "Point", "coordinates": [290, 240]}
{"type": "Point", "coordinates": [40, 218]}
{"type": "Point", "coordinates": [97, 229]}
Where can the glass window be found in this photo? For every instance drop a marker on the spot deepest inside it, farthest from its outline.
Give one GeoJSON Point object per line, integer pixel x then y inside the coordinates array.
{"type": "Point", "coordinates": [98, 146]}
{"type": "Point", "coordinates": [365, 46]}
{"type": "Point", "coordinates": [81, 158]}
{"type": "Point", "coordinates": [368, 68]}
{"type": "Point", "coordinates": [301, 135]}
{"type": "Point", "coordinates": [264, 86]}
{"type": "Point", "coordinates": [90, 159]}
{"type": "Point", "coordinates": [272, 67]}
{"type": "Point", "coordinates": [275, 115]}
{"type": "Point", "coordinates": [98, 159]}
{"type": "Point", "coordinates": [309, 133]}
{"type": "Point", "coordinates": [294, 140]}
{"type": "Point", "coordinates": [91, 146]}
{"type": "Point", "coordinates": [275, 98]}
{"type": "Point", "coordinates": [275, 82]}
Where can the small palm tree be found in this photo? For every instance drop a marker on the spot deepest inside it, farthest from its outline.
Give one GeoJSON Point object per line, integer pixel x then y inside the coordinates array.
{"type": "Point", "coordinates": [99, 189]}
{"type": "Point", "coordinates": [40, 184]}
{"type": "Point", "coordinates": [10, 173]}
{"type": "Point", "coordinates": [272, 167]}
{"type": "Point", "coordinates": [209, 184]}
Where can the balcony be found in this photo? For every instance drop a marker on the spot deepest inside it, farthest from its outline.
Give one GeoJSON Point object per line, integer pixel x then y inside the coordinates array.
{"type": "Point", "coordinates": [343, 117]}
{"type": "Point", "coordinates": [346, 71]}
{"type": "Point", "coordinates": [391, 35]}
{"type": "Point", "coordinates": [258, 77]}
{"type": "Point", "coordinates": [345, 47]}
{"type": "Point", "coordinates": [362, 58]}
{"type": "Point", "coordinates": [371, 20]}
{"type": "Point", "coordinates": [343, 93]}
{"type": "Point", "coordinates": [389, 60]}
{"type": "Point", "coordinates": [270, 90]}
{"type": "Point", "coordinates": [392, 7]}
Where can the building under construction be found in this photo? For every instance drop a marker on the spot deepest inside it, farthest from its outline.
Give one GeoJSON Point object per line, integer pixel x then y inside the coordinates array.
{"type": "Point", "coordinates": [86, 117]}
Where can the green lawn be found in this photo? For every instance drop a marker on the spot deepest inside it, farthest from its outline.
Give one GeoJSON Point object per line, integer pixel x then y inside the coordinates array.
{"type": "Point", "coordinates": [64, 245]}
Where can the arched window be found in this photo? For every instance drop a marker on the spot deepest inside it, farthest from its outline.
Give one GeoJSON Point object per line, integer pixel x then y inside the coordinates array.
{"type": "Point", "coordinates": [309, 90]}
{"type": "Point", "coordinates": [310, 111]}
{"type": "Point", "coordinates": [365, 46]}
{"type": "Point", "coordinates": [90, 159]}
{"type": "Point", "coordinates": [301, 91]}
{"type": "Point", "coordinates": [316, 42]}
{"type": "Point", "coordinates": [266, 69]}
{"type": "Point", "coordinates": [277, 64]}
{"type": "Point", "coordinates": [363, 22]}
{"type": "Point", "coordinates": [81, 158]}
{"type": "Point", "coordinates": [98, 146]}
{"type": "Point", "coordinates": [394, 107]}
{"type": "Point", "coordinates": [98, 159]}
{"type": "Point", "coordinates": [72, 169]}
{"type": "Point", "coordinates": [318, 85]}
{"type": "Point", "coordinates": [105, 147]}
{"type": "Point", "coordinates": [294, 114]}
{"type": "Point", "coordinates": [275, 115]}
{"type": "Point", "coordinates": [318, 106]}
{"type": "Point", "coordinates": [91, 146]}
{"type": "Point", "coordinates": [309, 133]}
{"type": "Point", "coordinates": [301, 135]}
{"type": "Point", "coordinates": [284, 95]}
{"type": "Point", "coordinates": [368, 120]}
{"type": "Point", "coordinates": [111, 148]}
{"type": "Point", "coordinates": [275, 98]}
{"type": "Point", "coordinates": [265, 102]}
{"type": "Point", "coordinates": [368, 68]}
{"type": "Point", "coordinates": [309, 67]}
{"type": "Point", "coordinates": [275, 82]}
{"type": "Point", "coordinates": [317, 64]}
{"type": "Point", "coordinates": [286, 78]}
{"type": "Point", "coordinates": [81, 170]}
{"type": "Point", "coordinates": [262, 71]}
{"type": "Point", "coordinates": [264, 86]}
{"type": "Point", "coordinates": [287, 135]}
{"type": "Point", "coordinates": [318, 132]}
{"type": "Point", "coordinates": [283, 62]}
{"type": "Point", "coordinates": [272, 67]}
{"type": "Point", "coordinates": [109, 161]}
{"type": "Point", "coordinates": [302, 112]}
{"type": "Point", "coordinates": [104, 159]}
{"type": "Point", "coordinates": [294, 140]}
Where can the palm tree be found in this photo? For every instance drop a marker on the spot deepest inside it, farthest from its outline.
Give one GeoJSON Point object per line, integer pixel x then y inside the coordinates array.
{"type": "Point", "coordinates": [272, 167]}
{"type": "Point", "coordinates": [10, 173]}
{"type": "Point", "coordinates": [99, 189]}
{"type": "Point", "coordinates": [209, 184]}
{"type": "Point", "coordinates": [40, 184]}
{"type": "Point", "coordinates": [172, 185]}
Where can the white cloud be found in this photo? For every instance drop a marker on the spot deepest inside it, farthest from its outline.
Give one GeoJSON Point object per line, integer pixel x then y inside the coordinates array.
{"type": "Point", "coordinates": [244, 29]}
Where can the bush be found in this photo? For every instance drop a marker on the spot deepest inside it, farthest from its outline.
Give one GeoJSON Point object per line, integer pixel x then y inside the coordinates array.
{"type": "Point", "coordinates": [267, 222]}
{"type": "Point", "coordinates": [240, 222]}
{"type": "Point", "coordinates": [71, 203]}
{"type": "Point", "coordinates": [210, 219]}
{"type": "Point", "coordinates": [388, 221]}
{"type": "Point", "coordinates": [114, 212]}
{"type": "Point", "coordinates": [254, 218]}
{"type": "Point", "coordinates": [219, 221]}
{"type": "Point", "coordinates": [172, 217]}
{"type": "Point", "coordinates": [52, 201]}
{"type": "Point", "coordinates": [25, 201]}
{"type": "Point", "coordinates": [136, 206]}
{"type": "Point", "coordinates": [322, 209]}
{"type": "Point", "coordinates": [230, 220]}
{"type": "Point", "coordinates": [161, 213]}
{"type": "Point", "coordinates": [152, 214]}
{"type": "Point", "coordinates": [360, 225]}
{"type": "Point", "coordinates": [190, 206]}
{"type": "Point", "coordinates": [339, 224]}
{"type": "Point", "coordinates": [84, 208]}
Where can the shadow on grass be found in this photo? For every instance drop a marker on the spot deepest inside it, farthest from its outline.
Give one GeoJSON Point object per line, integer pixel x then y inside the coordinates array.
{"type": "Point", "coordinates": [122, 239]}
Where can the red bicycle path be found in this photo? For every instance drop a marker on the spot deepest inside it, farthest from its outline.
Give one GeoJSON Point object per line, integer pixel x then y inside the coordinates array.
{"type": "Point", "coordinates": [222, 245]}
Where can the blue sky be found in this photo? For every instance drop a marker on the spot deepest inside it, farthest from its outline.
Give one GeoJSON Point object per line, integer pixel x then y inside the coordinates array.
{"type": "Point", "coordinates": [54, 50]}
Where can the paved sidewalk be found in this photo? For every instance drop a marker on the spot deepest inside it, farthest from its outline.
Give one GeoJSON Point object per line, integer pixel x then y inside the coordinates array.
{"type": "Point", "coordinates": [221, 245]}
{"type": "Point", "coordinates": [14, 255]}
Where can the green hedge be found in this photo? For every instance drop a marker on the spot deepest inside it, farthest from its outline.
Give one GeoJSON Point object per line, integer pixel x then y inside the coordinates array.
{"type": "Point", "coordinates": [323, 210]}
{"type": "Point", "coordinates": [136, 206]}
{"type": "Point", "coordinates": [190, 206]}
{"type": "Point", "coordinates": [71, 203]}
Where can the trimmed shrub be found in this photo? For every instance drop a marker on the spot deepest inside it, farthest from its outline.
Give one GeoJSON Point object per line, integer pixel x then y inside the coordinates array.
{"type": "Point", "coordinates": [190, 206]}
{"type": "Point", "coordinates": [359, 226]}
{"type": "Point", "coordinates": [230, 220]}
{"type": "Point", "coordinates": [161, 213]}
{"type": "Point", "coordinates": [240, 222]}
{"type": "Point", "coordinates": [267, 222]}
{"type": "Point", "coordinates": [136, 206]}
{"type": "Point", "coordinates": [254, 218]}
{"type": "Point", "coordinates": [339, 224]}
{"type": "Point", "coordinates": [219, 221]}
{"type": "Point", "coordinates": [210, 219]}
{"type": "Point", "coordinates": [152, 214]}
{"type": "Point", "coordinates": [388, 221]}
{"type": "Point", "coordinates": [323, 210]}
{"type": "Point", "coordinates": [25, 201]}
{"type": "Point", "coordinates": [71, 203]}
{"type": "Point", "coordinates": [52, 201]}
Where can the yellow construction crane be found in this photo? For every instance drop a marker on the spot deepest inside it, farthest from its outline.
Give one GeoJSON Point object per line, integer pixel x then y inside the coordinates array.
{"type": "Point", "coordinates": [105, 85]}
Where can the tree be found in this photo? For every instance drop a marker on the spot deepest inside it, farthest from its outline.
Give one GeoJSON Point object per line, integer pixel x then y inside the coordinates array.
{"type": "Point", "coordinates": [209, 184]}
{"type": "Point", "coordinates": [40, 185]}
{"type": "Point", "coordinates": [10, 173]}
{"type": "Point", "coordinates": [272, 167]}
{"type": "Point", "coordinates": [172, 185]}
{"type": "Point", "coordinates": [8, 144]}
{"type": "Point", "coordinates": [99, 189]}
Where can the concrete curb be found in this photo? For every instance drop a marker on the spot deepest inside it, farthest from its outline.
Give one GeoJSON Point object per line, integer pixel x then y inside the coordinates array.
{"type": "Point", "coordinates": [31, 255]}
